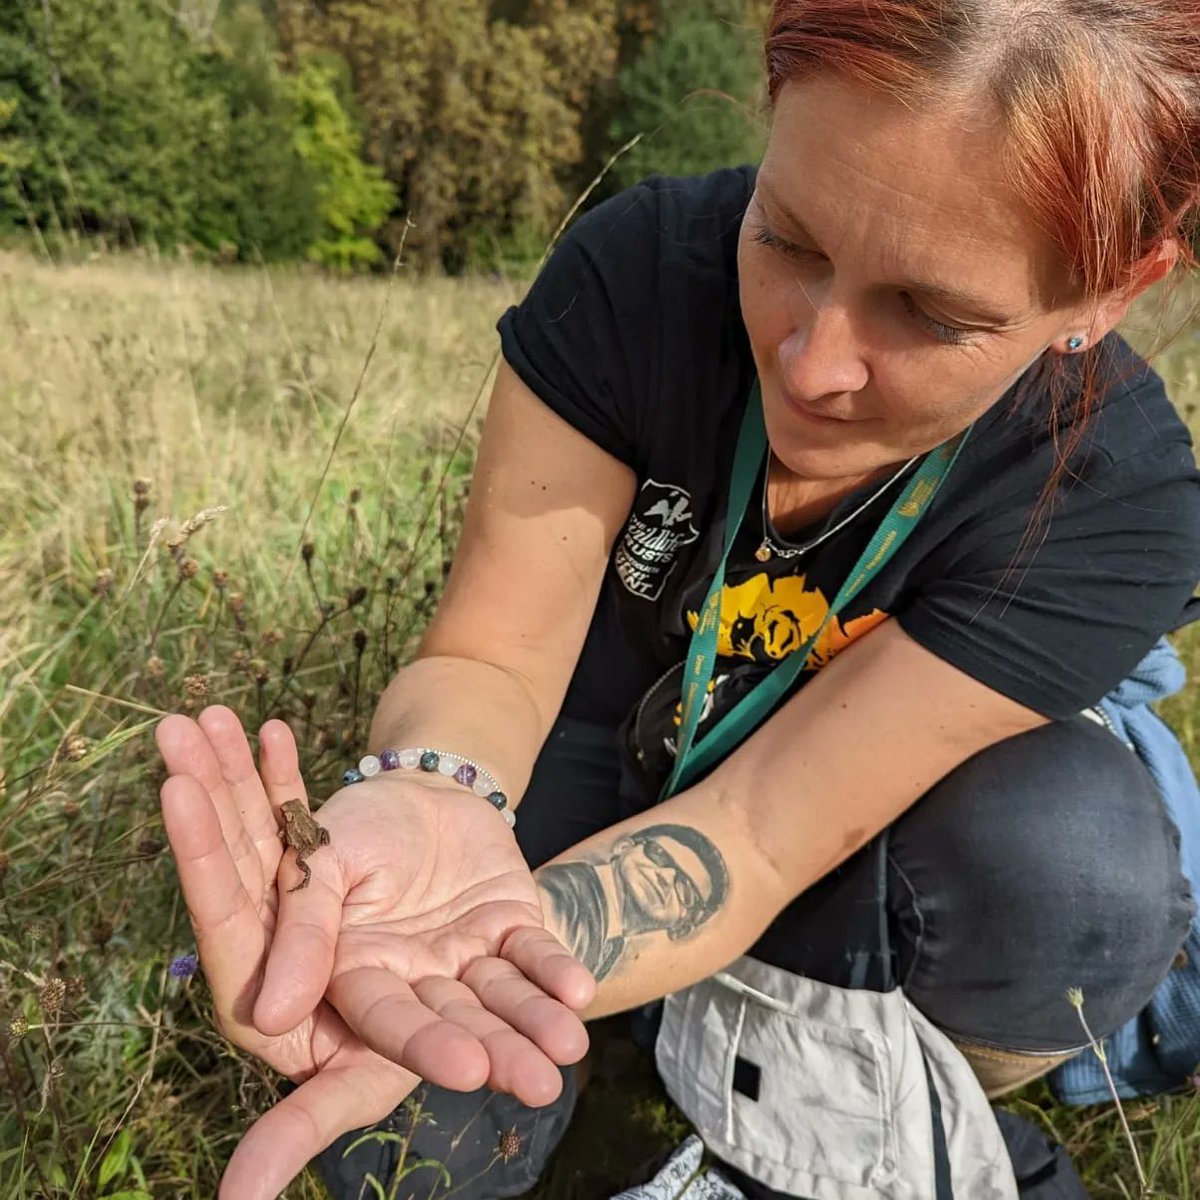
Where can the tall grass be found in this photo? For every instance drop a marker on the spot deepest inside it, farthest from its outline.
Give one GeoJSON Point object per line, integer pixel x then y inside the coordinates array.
{"type": "Point", "coordinates": [203, 497]}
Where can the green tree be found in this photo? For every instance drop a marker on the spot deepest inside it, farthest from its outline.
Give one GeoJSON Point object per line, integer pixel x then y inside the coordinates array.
{"type": "Point", "coordinates": [354, 198]}
{"type": "Point", "coordinates": [474, 116]}
{"type": "Point", "coordinates": [693, 93]}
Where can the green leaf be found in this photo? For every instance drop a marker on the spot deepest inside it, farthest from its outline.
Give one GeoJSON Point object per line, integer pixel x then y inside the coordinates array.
{"type": "Point", "coordinates": [116, 1160]}
{"type": "Point", "coordinates": [136, 1194]}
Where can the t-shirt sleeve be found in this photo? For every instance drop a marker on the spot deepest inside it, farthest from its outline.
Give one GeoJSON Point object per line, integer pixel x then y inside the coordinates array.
{"type": "Point", "coordinates": [1055, 612]}
{"type": "Point", "coordinates": [580, 339]}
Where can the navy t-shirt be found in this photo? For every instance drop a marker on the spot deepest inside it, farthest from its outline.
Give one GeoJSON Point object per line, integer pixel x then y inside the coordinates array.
{"type": "Point", "coordinates": [633, 334]}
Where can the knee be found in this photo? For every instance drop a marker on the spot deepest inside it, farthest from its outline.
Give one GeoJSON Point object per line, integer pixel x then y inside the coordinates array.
{"type": "Point", "coordinates": [1047, 861]}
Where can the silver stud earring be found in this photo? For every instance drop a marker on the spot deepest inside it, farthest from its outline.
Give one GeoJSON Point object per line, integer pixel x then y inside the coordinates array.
{"type": "Point", "coordinates": [1075, 345]}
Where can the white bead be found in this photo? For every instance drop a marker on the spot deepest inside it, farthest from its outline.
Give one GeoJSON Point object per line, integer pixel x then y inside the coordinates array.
{"type": "Point", "coordinates": [447, 765]}
{"type": "Point", "coordinates": [410, 759]}
{"type": "Point", "coordinates": [509, 816]}
{"type": "Point", "coordinates": [369, 765]}
{"type": "Point", "coordinates": [481, 787]}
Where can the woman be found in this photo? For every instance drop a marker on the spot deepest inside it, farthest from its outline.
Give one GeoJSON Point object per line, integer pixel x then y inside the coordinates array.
{"type": "Point", "coordinates": [860, 416]}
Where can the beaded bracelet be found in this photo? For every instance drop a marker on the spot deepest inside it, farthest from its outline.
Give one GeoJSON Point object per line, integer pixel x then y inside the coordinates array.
{"type": "Point", "coordinates": [462, 770]}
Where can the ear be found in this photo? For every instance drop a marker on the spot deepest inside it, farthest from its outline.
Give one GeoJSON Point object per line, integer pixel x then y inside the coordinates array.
{"type": "Point", "coordinates": [1095, 323]}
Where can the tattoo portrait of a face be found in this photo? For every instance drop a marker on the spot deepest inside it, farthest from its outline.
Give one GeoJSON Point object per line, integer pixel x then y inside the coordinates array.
{"type": "Point", "coordinates": [667, 879]}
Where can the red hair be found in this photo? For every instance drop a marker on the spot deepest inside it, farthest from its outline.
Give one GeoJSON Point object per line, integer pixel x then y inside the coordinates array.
{"type": "Point", "coordinates": [1100, 100]}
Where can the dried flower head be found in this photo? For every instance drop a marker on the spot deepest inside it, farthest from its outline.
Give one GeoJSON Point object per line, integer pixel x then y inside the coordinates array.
{"type": "Point", "coordinates": [142, 489]}
{"type": "Point", "coordinates": [35, 931]}
{"type": "Point", "coordinates": [70, 808]}
{"type": "Point", "coordinates": [51, 997]}
{"type": "Point", "coordinates": [102, 585]}
{"type": "Point", "coordinates": [220, 580]}
{"type": "Point", "coordinates": [193, 525]}
{"type": "Point", "coordinates": [239, 660]}
{"type": "Point", "coordinates": [189, 568]}
{"type": "Point", "coordinates": [154, 668]}
{"type": "Point", "coordinates": [149, 845]}
{"type": "Point", "coordinates": [196, 686]}
{"type": "Point", "coordinates": [360, 640]}
{"type": "Point", "coordinates": [237, 602]}
{"type": "Point", "coordinates": [355, 495]}
{"type": "Point", "coordinates": [183, 967]}
{"type": "Point", "coordinates": [18, 1027]}
{"type": "Point", "coordinates": [74, 747]}
{"type": "Point", "coordinates": [272, 637]}
{"type": "Point", "coordinates": [307, 550]}
{"type": "Point", "coordinates": [356, 596]}
{"type": "Point", "coordinates": [509, 1145]}
{"type": "Point", "coordinates": [260, 669]}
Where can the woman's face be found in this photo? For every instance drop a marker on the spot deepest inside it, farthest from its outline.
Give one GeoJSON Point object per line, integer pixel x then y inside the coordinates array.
{"type": "Point", "coordinates": [891, 286]}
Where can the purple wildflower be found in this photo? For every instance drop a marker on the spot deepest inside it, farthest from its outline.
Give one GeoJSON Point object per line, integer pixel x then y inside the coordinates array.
{"type": "Point", "coordinates": [183, 967]}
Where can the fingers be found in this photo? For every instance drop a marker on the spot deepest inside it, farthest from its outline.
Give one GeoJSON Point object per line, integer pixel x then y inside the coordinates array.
{"type": "Point", "coordinates": [187, 750]}
{"type": "Point", "coordinates": [518, 1067]}
{"type": "Point", "coordinates": [549, 1025]}
{"type": "Point", "coordinates": [245, 788]}
{"type": "Point", "coordinates": [543, 960]}
{"type": "Point", "coordinates": [301, 956]}
{"type": "Point", "coordinates": [389, 1017]}
{"type": "Point", "coordinates": [306, 930]}
{"type": "Point", "coordinates": [230, 935]}
{"type": "Point", "coordinates": [278, 1146]}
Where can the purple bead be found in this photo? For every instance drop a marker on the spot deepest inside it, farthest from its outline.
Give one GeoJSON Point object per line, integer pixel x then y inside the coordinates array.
{"type": "Point", "coordinates": [465, 775]}
{"type": "Point", "coordinates": [499, 799]}
{"type": "Point", "coordinates": [429, 761]}
{"type": "Point", "coordinates": [389, 760]}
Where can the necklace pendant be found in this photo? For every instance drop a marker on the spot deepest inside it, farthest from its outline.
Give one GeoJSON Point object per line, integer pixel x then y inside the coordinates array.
{"type": "Point", "coordinates": [763, 553]}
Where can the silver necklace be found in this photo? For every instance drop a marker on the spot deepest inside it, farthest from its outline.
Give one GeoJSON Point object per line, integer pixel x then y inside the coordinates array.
{"type": "Point", "coordinates": [768, 549]}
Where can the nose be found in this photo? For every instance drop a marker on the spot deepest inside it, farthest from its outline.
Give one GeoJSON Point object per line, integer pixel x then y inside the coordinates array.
{"type": "Point", "coordinates": [822, 357]}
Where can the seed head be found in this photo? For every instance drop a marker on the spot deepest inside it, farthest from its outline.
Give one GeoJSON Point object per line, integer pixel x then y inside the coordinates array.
{"type": "Point", "coordinates": [193, 525]}
{"type": "Point", "coordinates": [102, 585]}
{"type": "Point", "coordinates": [196, 686]}
{"type": "Point", "coordinates": [74, 748]}
{"type": "Point", "coordinates": [509, 1145]}
{"type": "Point", "coordinates": [237, 602]}
{"type": "Point", "coordinates": [35, 931]}
{"type": "Point", "coordinates": [220, 580]}
{"type": "Point", "coordinates": [239, 660]}
{"type": "Point", "coordinates": [355, 495]}
{"type": "Point", "coordinates": [356, 596]}
{"type": "Point", "coordinates": [261, 670]}
{"type": "Point", "coordinates": [189, 568]}
{"type": "Point", "coordinates": [70, 808]}
{"type": "Point", "coordinates": [307, 550]}
{"type": "Point", "coordinates": [154, 668]}
{"type": "Point", "coordinates": [51, 997]}
{"type": "Point", "coordinates": [141, 494]}
{"type": "Point", "coordinates": [272, 637]}
{"type": "Point", "coordinates": [18, 1027]}
{"type": "Point", "coordinates": [360, 640]}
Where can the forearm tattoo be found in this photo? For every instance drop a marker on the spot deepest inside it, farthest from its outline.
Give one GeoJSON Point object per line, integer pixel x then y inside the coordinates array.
{"type": "Point", "coordinates": [662, 879]}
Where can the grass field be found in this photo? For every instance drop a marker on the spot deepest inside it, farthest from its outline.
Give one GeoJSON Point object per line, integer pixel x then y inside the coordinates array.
{"type": "Point", "coordinates": [225, 486]}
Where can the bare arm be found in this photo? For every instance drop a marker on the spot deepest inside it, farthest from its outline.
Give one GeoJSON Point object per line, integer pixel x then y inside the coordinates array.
{"type": "Point", "coordinates": [669, 897]}
{"type": "Point", "coordinates": [546, 505]}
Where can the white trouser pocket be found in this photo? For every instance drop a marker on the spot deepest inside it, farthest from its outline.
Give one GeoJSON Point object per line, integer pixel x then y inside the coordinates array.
{"type": "Point", "coordinates": [825, 1092]}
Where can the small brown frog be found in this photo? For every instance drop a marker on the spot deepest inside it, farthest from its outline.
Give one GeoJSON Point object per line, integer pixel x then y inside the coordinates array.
{"type": "Point", "coordinates": [301, 833]}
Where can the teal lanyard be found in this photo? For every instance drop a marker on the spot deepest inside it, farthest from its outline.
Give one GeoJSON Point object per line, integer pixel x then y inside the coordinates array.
{"type": "Point", "coordinates": [741, 720]}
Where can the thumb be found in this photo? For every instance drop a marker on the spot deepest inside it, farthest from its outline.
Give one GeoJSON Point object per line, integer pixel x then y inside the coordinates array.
{"type": "Point", "coordinates": [279, 1145]}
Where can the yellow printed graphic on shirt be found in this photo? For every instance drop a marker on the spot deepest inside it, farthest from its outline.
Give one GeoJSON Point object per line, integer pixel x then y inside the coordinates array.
{"type": "Point", "coordinates": [767, 619]}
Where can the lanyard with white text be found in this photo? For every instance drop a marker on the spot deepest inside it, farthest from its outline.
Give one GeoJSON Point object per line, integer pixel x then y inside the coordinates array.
{"type": "Point", "coordinates": [741, 720]}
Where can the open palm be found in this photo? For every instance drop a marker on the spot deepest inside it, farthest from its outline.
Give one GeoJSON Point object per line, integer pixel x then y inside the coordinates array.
{"type": "Point", "coordinates": [421, 926]}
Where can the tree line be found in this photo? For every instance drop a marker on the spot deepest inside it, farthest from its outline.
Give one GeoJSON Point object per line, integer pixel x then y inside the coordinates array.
{"type": "Point", "coordinates": [335, 131]}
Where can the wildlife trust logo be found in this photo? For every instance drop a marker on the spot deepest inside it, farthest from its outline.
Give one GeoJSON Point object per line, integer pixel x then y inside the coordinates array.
{"type": "Point", "coordinates": [659, 526]}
